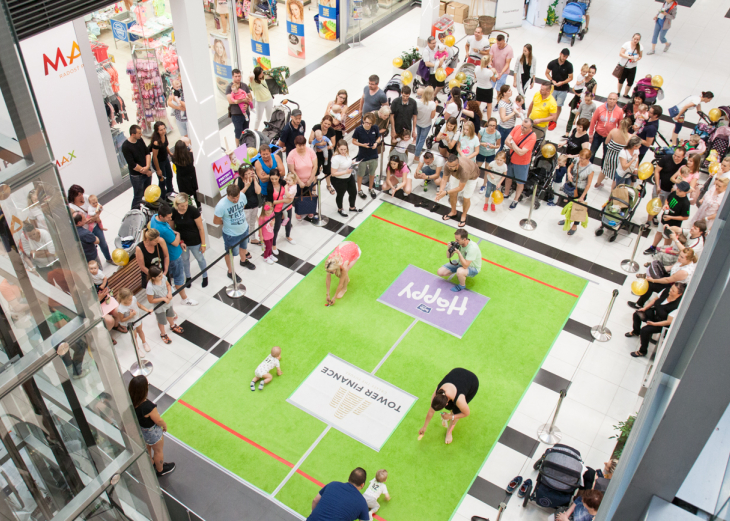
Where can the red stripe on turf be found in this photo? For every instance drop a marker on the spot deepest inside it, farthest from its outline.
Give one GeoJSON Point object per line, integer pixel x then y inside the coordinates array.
{"type": "Point", "coordinates": [254, 444]}
{"type": "Point", "coordinates": [487, 260]}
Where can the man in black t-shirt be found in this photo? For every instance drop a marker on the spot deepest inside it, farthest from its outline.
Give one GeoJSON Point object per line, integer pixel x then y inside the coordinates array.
{"type": "Point", "coordinates": [138, 159]}
{"type": "Point", "coordinates": [666, 167]}
{"type": "Point", "coordinates": [560, 73]}
{"type": "Point", "coordinates": [650, 130]}
{"type": "Point", "coordinates": [295, 127]}
{"type": "Point", "coordinates": [366, 137]}
{"type": "Point", "coordinates": [403, 113]}
{"type": "Point", "coordinates": [676, 209]}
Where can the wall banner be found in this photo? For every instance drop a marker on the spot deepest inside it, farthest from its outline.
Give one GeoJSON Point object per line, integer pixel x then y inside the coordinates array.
{"type": "Point", "coordinates": [260, 41]}
{"type": "Point", "coordinates": [222, 67]}
{"type": "Point", "coordinates": [328, 19]}
{"type": "Point", "coordinates": [295, 27]}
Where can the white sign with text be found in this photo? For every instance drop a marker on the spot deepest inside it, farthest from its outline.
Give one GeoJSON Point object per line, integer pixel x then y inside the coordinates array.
{"type": "Point", "coordinates": [353, 401]}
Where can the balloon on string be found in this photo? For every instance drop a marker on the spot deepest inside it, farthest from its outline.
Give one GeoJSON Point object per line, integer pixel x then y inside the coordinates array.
{"type": "Point", "coordinates": [645, 171]}
{"type": "Point", "coordinates": [120, 257]}
{"type": "Point", "coordinates": [152, 193]}
{"type": "Point", "coordinates": [715, 115]}
{"type": "Point", "coordinates": [449, 41]}
{"type": "Point", "coordinates": [440, 74]}
{"type": "Point", "coordinates": [454, 83]}
{"type": "Point", "coordinates": [639, 287]}
{"type": "Point", "coordinates": [398, 62]}
{"type": "Point", "coordinates": [657, 81]}
{"type": "Point", "coordinates": [714, 168]}
{"type": "Point", "coordinates": [497, 197]}
{"type": "Point", "coordinates": [406, 77]}
{"type": "Point", "coordinates": [654, 206]}
{"type": "Point", "coordinates": [460, 76]}
{"type": "Point", "coordinates": [251, 153]}
{"type": "Point", "coordinates": [548, 150]}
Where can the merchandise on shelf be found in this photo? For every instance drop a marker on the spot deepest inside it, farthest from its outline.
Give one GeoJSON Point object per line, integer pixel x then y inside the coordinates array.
{"type": "Point", "coordinates": [147, 89]}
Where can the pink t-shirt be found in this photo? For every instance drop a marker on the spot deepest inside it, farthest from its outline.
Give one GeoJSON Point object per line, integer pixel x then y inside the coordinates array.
{"type": "Point", "coordinates": [267, 232]}
{"type": "Point", "coordinates": [500, 57]}
{"type": "Point", "coordinates": [348, 251]}
{"type": "Point", "coordinates": [302, 163]}
{"type": "Point", "coordinates": [399, 173]}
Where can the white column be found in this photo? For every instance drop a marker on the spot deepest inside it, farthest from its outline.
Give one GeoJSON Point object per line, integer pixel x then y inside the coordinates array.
{"type": "Point", "coordinates": [429, 14]}
{"type": "Point", "coordinates": [191, 40]}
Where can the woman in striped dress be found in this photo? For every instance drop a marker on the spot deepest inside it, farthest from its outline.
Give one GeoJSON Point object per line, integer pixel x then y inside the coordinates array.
{"type": "Point", "coordinates": [617, 140]}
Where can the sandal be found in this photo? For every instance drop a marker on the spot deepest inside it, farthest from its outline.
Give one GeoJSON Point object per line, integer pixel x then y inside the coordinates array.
{"type": "Point", "coordinates": [447, 217]}
{"type": "Point", "coordinates": [572, 231]}
{"type": "Point", "coordinates": [462, 224]}
{"type": "Point", "coordinates": [332, 190]}
{"type": "Point", "coordinates": [166, 339]}
{"type": "Point", "coordinates": [177, 329]}
{"type": "Point", "coordinates": [630, 334]}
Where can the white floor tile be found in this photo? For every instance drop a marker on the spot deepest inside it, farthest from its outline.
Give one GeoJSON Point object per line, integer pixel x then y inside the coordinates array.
{"type": "Point", "coordinates": [502, 465]}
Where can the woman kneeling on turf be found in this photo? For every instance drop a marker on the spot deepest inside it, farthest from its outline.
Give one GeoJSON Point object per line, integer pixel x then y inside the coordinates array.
{"type": "Point", "coordinates": [339, 264]}
{"type": "Point", "coordinates": [453, 393]}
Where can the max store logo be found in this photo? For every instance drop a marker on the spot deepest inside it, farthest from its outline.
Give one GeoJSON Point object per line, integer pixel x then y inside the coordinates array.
{"type": "Point", "coordinates": [65, 160]}
{"type": "Point", "coordinates": [60, 59]}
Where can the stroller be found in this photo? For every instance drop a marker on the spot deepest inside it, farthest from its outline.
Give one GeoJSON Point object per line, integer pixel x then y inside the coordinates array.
{"type": "Point", "coordinates": [651, 94]}
{"type": "Point", "coordinates": [541, 174]}
{"type": "Point", "coordinates": [533, 176]}
{"type": "Point", "coordinates": [438, 123]}
{"type": "Point", "coordinates": [130, 231]}
{"type": "Point", "coordinates": [279, 119]}
{"type": "Point", "coordinates": [253, 139]}
{"type": "Point", "coordinates": [618, 210]}
{"type": "Point", "coordinates": [559, 469]}
{"type": "Point", "coordinates": [469, 82]}
{"type": "Point", "coordinates": [573, 22]}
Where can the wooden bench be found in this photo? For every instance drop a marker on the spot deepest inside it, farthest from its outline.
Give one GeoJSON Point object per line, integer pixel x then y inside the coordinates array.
{"type": "Point", "coordinates": [127, 277]}
{"type": "Point", "coordinates": [353, 121]}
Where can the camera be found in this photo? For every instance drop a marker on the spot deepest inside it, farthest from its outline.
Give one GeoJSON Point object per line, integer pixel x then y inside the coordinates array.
{"type": "Point", "coordinates": [453, 246]}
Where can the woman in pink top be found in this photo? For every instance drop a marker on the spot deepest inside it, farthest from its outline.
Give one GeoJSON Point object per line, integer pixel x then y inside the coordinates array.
{"type": "Point", "coordinates": [339, 263]}
{"type": "Point", "coordinates": [303, 162]}
{"type": "Point", "coordinates": [396, 176]}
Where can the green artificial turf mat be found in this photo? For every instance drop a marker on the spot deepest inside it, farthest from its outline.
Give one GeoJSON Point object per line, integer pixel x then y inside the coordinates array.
{"type": "Point", "coordinates": [505, 347]}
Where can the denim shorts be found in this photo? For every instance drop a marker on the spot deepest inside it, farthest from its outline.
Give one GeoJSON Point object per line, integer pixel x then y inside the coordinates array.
{"type": "Point", "coordinates": [560, 96]}
{"type": "Point", "coordinates": [231, 242]}
{"type": "Point", "coordinates": [176, 271]}
{"type": "Point", "coordinates": [472, 270]}
{"type": "Point", "coordinates": [488, 159]}
{"type": "Point", "coordinates": [490, 187]}
{"type": "Point", "coordinates": [519, 172]}
{"type": "Point", "coordinates": [152, 435]}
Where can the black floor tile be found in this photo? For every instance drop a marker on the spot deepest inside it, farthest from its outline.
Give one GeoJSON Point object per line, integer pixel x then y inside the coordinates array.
{"type": "Point", "coordinates": [727, 15]}
{"type": "Point", "coordinates": [243, 304]}
{"type": "Point", "coordinates": [164, 402]}
{"type": "Point", "coordinates": [686, 3]}
{"type": "Point", "coordinates": [510, 236]}
{"type": "Point", "coordinates": [541, 248]}
{"type": "Point", "coordinates": [221, 349]}
{"type": "Point", "coordinates": [293, 263]}
{"type": "Point", "coordinates": [176, 510]}
{"type": "Point", "coordinates": [198, 336]}
{"type": "Point", "coordinates": [551, 381]}
{"type": "Point", "coordinates": [578, 329]}
{"type": "Point", "coordinates": [483, 226]}
{"type": "Point", "coordinates": [332, 224]}
{"type": "Point", "coordinates": [487, 492]}
{"type": "Point", "coordinates": [522, 443]}
{"type": "Point", "coordinates": [574, 260]}
{"type": "Point", "coordinates": [617, 277]}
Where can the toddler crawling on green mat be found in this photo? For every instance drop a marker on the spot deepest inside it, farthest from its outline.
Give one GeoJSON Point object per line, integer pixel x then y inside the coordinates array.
{"type": "Point", "coordinates": [376, 488]}
{"type": "Point", "coordinates": [262, 371]}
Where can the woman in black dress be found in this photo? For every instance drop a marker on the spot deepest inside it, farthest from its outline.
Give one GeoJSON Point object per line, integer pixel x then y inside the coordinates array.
{"type": "Point", "coordinates": [187, 180]}
{"type": "Point", "coordinates": [453, 393]}
{"type": "Point", "coordinates": [160, 150]}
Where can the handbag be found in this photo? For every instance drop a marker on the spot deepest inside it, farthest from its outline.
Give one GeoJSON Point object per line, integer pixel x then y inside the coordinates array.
{"type": "Point", "coordinates": [306, 204]}
{"type": "Point", "coordinates": [569, 189]}
{"type": "Point", "coordinates": [618, 71]}
{"type": "Point", "coordinates": [656, 270]}
{"type": "Point", "coordinates": [423, 71]}
{"type": "Point", "coordinates": [673, 111]}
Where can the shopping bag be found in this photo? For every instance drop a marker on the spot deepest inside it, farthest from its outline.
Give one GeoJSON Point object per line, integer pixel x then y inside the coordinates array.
{"type": "Point", "coordinates": [306, 203]}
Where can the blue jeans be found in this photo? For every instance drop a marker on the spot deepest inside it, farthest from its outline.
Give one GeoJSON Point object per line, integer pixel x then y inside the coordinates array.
{"type": "Point", "coordinates": [231, 242]}
{"type": "Point", "coordinates": [421, 135]}
{"type": "Point", "coordinates": [199, 256]}
{"type": "Point", "coordinates": [504, 132]}
{"type": "Point", "coordinates": [175, 272]}
{"type": "Point", "coordinates": [139, 183]}
{"type": "Point", "coordinates": [166, 185]}
{"type": "Point", "coordinates": [659, 33]}
{"type": "Point", "coordinates": [99, 233]}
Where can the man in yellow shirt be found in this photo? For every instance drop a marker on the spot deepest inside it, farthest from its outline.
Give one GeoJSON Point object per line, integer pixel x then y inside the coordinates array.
{"type": "Point", "coordinates": [543, 107]}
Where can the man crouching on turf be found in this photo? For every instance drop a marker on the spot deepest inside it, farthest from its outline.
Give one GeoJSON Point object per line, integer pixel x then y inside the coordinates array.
{"type": "Point", "coordinates": [470, 260]}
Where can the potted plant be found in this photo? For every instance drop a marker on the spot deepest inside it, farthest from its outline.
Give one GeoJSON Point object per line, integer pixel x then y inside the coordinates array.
{"type": "Point", "coordinates": [624, 429]}
{"type": "Point", "coordinates": [410, 63]}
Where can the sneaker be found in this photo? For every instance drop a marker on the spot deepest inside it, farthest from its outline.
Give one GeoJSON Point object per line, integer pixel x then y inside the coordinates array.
{"type": "Point", "coordinates": [166, 469]}
{"type": "Point", "coordinates": [527, 485]}
{"type": "Point", "coordinates": [188, 282]}
{"type": "Point", "coordinates": [362, 194]}
{"type": "Point", "coordinates": [141, 352]}
{"type": "Point", "coordinates": [651, 51]}
{"type": "Point", "coordinates": [269, 260]}
{"type": "Point", "coordinates": [238, 278]}
{"type": "Point", "coordinates": [457, 288]}
{"type": "Point", "coordinates": [633, 305]}
{"type": "Point", "coordinates": [552, 203]}
{"type": "Point", "coordinates": [261, 385]}
{"type": "Point", "coordinates": [494, 208]}
{"type": "Point", "coordinates": [514, 484]}
{"type": "Point", "coordinates": [248, 264]}
{"type": "Point", "coordinates": [486, 207]}
{"type": "Point", "coordinates": [253, 385]}
{"type": "Point", "coordinates": [513, 205]}
{"type": "Point", "coordinates": [651, 250]}
{"type": "Point", "coordinates": [667, 46]}
{"type": "Point", "coordinates": [205, 282]}
{"type": "Point", "coordinates": [482, 190]}
{"type": "Point", "coordinates": [146, 347]}
{"type": "Point", "coordinates": [373, 193]}
{"type": "Point", "coordinates": [291, 241]}
{"type": "Point", "coordinates": [190, 302]}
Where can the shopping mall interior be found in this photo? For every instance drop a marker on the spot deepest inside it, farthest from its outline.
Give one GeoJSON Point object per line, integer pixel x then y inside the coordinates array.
{"type": "Point", "coordinates": [570, 335]}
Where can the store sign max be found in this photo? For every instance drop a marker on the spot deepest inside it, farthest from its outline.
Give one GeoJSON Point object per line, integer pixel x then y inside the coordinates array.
{"type": "Point", "coordinates": [61, 59]}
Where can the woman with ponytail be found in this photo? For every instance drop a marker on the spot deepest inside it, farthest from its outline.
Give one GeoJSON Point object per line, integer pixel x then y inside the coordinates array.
{"type": "Point", "coordinates": [453, 393]}
{"type": "Point", "coordinates": [677, 112]}
{"type": "Point", "coordinates": [339, 264]}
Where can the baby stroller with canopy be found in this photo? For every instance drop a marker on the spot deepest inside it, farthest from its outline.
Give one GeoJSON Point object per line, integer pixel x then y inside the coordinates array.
{"type": "Point", "coordinates": [618, 210]}
{"type": "Point", "coordinates": [130, 231]}
{"type": "Point", "coordinates": [542, 172]}
{"type": "Point", "coordinates": [253, 139]}
{"type": "Point", "coordinates": [559, 476]}
{"type": "Point", "coordinates": [651, 93]}
{"type": "Point", "coordinates": [279, 118]}
{"type": "Point", "coordinates": [532, 178]}
{"type": "Point", "coordinates": [573, 22]}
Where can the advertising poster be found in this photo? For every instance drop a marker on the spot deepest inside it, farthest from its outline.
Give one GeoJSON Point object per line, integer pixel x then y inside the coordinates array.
{"type": "Point", "coordinates": [53, 61]}
{"type": "Point", "coordinates": [222, 68]}
{"type": "Point", "coordinates": [328, 19]}
{"type": "Point", "coordinates": [226, 168]}
{"type": "Point", "coordinates": [295, 27]}
{"type": "Point", "coordinates": [260, 41]}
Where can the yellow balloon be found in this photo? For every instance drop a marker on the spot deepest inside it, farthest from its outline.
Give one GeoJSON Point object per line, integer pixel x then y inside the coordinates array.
{"type": "Point", "coordinates": [440, 75]}
{"type": "Point", "coordinates": [654, 206]}
{"type": "Point", "coordinates": [460, 76]}
{"type": "Point", "coordinates": [492, 41]}
{"type": "Point", "coordinates": [152, 193]}
{"type": "Point", "coordinates": [251, 153]}
{"type": "Point", "coordinates": [714, 168]}
{"type": "Point", "coordinates": [639, 287]}
{"type": "Point", "coordinates": [497, 197]}
{"type": "Point", "coordinates": [548, 150]}
{"type": "Point", "coordinates": [449, 41]}
{"type": "Point", "coordinates": [454, 83]}
{"type": "Point", "coordinates": [397, 62]}
{"type": "Point", "coordinates": [645, 171]}
{"type": "Point", "coordinates": [120, 257]}
{"type": "Point", "coordinates": [715, 115]}
{"type": "Point", "coordinates": [407, 77]}
{"type": "Point", "coordinates": [657, 81]}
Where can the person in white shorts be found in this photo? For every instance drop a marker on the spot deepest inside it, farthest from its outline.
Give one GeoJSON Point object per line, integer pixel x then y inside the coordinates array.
{"type": "Point", "coordinates": [461, 174]}
{"type": "Point", "coordinates": [263, 371]}
{"type": "Point", "coordinates": [375, 489]}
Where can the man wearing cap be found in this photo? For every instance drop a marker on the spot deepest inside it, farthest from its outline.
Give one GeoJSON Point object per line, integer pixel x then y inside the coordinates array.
{"type": "Point", "coordinates": [543, 108]}
{"type": "Point", "coordinates": [295, 127]}
{"type": "Point", "coordinates": [559, 73]}
{"type": "Point", "coordinates": [675, 210]}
